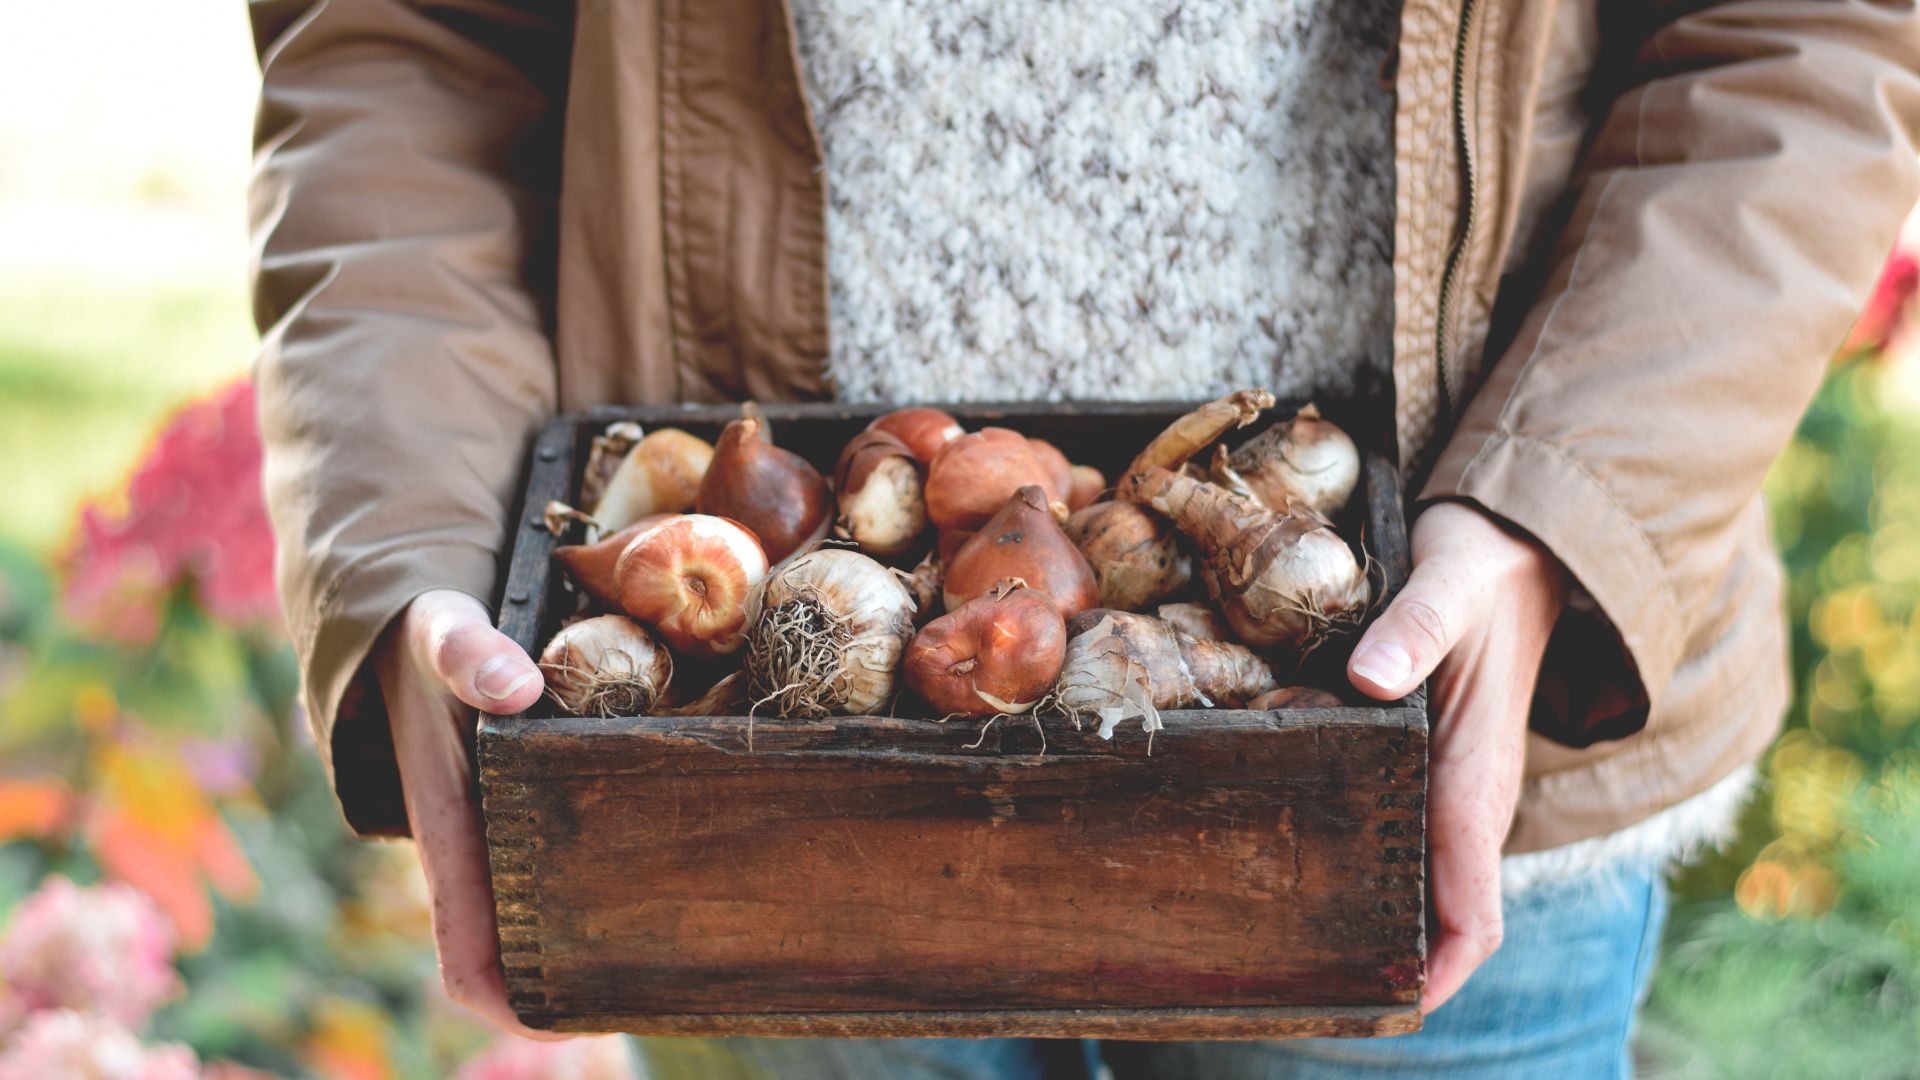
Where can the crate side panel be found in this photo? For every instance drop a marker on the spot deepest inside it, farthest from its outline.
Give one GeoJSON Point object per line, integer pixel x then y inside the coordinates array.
{"type": "Point", "coordinates": [1255, 866]}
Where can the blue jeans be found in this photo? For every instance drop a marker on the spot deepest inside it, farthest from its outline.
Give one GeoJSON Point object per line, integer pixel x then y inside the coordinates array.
{"type": "Point", "coordinates": [1557, 1000]}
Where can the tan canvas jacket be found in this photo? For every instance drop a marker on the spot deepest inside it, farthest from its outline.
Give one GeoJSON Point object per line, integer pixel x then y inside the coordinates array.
{"type": "Point", "coordinates": [1628, 235]}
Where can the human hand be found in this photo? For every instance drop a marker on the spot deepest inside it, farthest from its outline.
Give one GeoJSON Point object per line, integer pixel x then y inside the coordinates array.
{"type": "Point", "coordinates": [1475, 614]}
{"type": "Point", "coordinates": [441, 660]}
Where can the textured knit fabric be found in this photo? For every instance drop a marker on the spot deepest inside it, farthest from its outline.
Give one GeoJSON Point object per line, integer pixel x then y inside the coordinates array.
{"type": "Point", "coordinates": [1132, 199]}
{"type": "Point", "coordinates": [1143, 198]}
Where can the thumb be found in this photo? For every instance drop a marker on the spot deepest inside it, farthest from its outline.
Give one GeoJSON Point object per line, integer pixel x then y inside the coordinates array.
{"type": "Point", "coordinates": [480, 665]}
{"type": "Point", "coordinates": [1412, 636]}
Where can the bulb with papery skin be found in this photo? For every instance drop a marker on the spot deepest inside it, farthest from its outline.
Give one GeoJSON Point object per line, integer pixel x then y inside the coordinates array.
{"type": "Point", "coordinates": [1086, 484]}
{"type": "Point", "coordinates": [1135, 554]}
{"type": "Point", "coordinates": [924, 429]}
{"type": "Point", "coordinates": [661, 474]}
{"type": "Point", "coordinates": [881, 495]}
{"type": "Point", "coordinates": [999, 653]}
{"type": "Point", "coordinates": [689, 578]}
{"type": "Point", "coordinates": [773, 492]}
{"type": "Point", "coordinates": [1059, 469]}
{"type": "Point", "coordinates": [974, 475]}
{"type": "Point", "coordinates": [1023, 541]}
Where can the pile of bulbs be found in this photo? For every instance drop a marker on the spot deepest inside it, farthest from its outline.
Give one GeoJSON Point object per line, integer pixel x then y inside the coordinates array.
{"type": "Point", "coordinates": [983, 573]}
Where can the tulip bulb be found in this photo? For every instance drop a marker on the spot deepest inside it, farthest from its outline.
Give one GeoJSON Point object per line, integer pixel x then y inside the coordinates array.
{"type": "Point", "coordinates": [1135, 554]}
{"type": "Point", "coordinates": [661, 474]}
{"type": "Point", "coordinates": [998, 653]}
{"type": "Point", "coordinates": [923, 429]}
{"type": "Point", "coordinates": [775, 493]}
{"type": "Point", "coordinates": [828, 637]}
{"type": "Point", "coordinates": [974, 475]}
{"type": "Point", "coordinates": [687, 576]}
{"type": "Point", "coordinates": [1085, 487]}
{"type": "Point", "coordinates": [1023, 541]}
{"type": "Point", "coordinates": [606, 666]}
{"type": "Point", "coordinates": [883, 509]}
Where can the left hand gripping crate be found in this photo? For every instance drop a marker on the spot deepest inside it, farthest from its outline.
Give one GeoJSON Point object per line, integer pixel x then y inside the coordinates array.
{"type": "Point", "coordinates": [1258, 875]}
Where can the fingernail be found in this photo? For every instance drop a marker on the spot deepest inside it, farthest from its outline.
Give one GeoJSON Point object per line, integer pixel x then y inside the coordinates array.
{"type": "Point", "coordinates": [1383, 664]}
{"type": "Point", "coordinates": [501, 676]}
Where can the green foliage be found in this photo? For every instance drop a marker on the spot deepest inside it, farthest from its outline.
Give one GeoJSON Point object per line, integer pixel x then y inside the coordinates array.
{"type": "Point", "coordinates": [1837, 995]}
{"type": "Point", "coordinates": [1793, 953]}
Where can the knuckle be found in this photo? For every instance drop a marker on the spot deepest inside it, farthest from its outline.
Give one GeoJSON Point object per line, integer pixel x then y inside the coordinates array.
{"type": "Point", "coordinates": [456, 642]}
{"type": "Point", "coordinates": [1425, 619]}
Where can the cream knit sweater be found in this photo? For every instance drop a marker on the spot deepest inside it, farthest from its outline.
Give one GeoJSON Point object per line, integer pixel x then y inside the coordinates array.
{"type": "Point", "coordinates": [1045, 199]}
{"type": "Point", "coordinates": [1037, 199]}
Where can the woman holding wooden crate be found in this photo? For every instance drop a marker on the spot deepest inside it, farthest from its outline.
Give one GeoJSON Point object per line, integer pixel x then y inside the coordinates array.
{"type": "Point", "coordinates": [1592, 258]}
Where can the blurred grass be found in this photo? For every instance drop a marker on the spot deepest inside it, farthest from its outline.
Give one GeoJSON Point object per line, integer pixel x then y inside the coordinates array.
{"type": "Point", "coordinates": [87, 369]}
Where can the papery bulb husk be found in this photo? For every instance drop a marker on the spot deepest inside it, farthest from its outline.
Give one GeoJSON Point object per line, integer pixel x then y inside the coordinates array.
{"type": "Point", "coordinates": [998, 654]}
{"type": "Point", "coordinates": [690, 579]}
{"type": "Point", "coordinates": [1296, 697]}
{"type": "Point", "coordinates": [1198, 620]}
{"type": "Point", "coordinates": [1136, 554]}
{"type": "Point", "coordinates": [951, 541]}
{"type": "Point", "coordinates": [926, 583]}
{"type": "Point", "coordinates": [1022, 541]}
{"type": "Point", "coordinates": [1193, 433]}
{"type": "Point", "coordinates": [606, 666]}
{"type": "Point", "coordinates": [828, 637]}
{"type": "Point", "coordinates": [922, 428]}
{"type": "Point", "coordinates": [661, 474]}
{"type": "Point", "coordinates": [775, 493]}
{"type": "Point", "coordinates": [881, 495]}
{"type": "Point", "coordinates": [1085, 487]}
{"type": "Point", "coordinates": [974, 475]}
{"type": "Point", "coordinates": [592, 564]}
{"type": "Point", "coordinates": [1282, 580]}
{"type": "Point", "coordinates": [1056, 465]}
{"type": "Point", "coordinates": [1306, 459]}
{"type": "Point", "coordinates": [609, 449]}
{"type": "Point", "coordinates": [1122, 666]}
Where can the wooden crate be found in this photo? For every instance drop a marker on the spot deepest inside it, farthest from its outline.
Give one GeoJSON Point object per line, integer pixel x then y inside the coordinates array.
{"type": "Point", "coordinates": [1257, 875]}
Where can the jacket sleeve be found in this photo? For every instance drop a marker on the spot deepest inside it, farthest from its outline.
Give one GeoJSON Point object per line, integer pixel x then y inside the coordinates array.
{"type": "Point", "coordinates": [1726, 222]}
{"type": "Point", "coordinates": [403, 191]}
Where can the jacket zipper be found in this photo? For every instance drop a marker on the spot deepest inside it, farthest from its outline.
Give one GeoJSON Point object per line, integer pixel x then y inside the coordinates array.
{"type": "Point", "coordinates": [1456, 255]}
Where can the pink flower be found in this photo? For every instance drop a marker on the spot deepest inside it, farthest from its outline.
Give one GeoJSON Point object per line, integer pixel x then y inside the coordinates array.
{"type": "Point", "coordinates": [1886, 309]}
{"type": "Point", "coordinates": [577, 1059]}
{"type": "Point", "coordinates": [220, 766]}
{"type": "Point", "coordinates": [107, 950]}
{"type": "Point", "coordinates": [79, 1046]}
{"type": "Point", "coordinates": [192, 508]}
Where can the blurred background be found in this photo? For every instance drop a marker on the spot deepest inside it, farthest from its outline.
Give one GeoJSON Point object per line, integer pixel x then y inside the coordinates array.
{"type": "Point", "coordinates": [175, 884]}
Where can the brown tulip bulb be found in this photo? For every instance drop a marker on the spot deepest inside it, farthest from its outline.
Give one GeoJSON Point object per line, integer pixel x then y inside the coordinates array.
{"type": "Point", "coordinates": [882, 505]}
{"type": "Point", "coordinates": [1135, 554]}
{"type": "Point", "coordinates": [1086, 485]}
{"type": "Point", "coordinates": [1000, 653]}
{"type": "Point", "coordinates": [1023, 541]}
{"type": "Point", "coordinates": [974, 475]}
{"type": "Point", "coordinates": [925, 430]}
{"type": "Point", "coordinates": [773, 492]}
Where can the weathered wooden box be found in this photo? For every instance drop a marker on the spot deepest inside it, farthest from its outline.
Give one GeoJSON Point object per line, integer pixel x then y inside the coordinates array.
{"type": "Point", "coordinates": [1257, 875]}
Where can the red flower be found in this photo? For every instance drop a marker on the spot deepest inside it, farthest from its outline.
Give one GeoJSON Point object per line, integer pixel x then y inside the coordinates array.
{"type": "Point", "coordinates": [1886, 308]}
{"type": "Point", "coordinates": [192, 509]}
